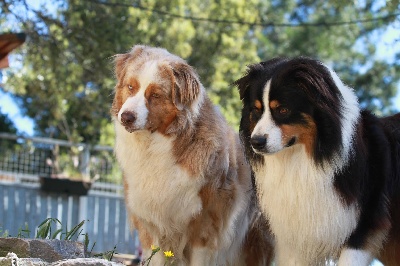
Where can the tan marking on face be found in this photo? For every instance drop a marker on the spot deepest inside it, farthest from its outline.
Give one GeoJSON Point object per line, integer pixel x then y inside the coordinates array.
{"type": "Point", "coordinates": [153, 92]}
{"type": "Point", "coordinates": [120, 64]}
{"type": "Point", "coordinates": [162, 111]}
{"type": "Point", "coordinates": [132, 86]}
{"type": "Point", "coordinates": [274, 104]}
{"type": "Point", "coordinates": [122, 92]}
{"type": "Point", "coordinates": [258, 104]}
{"type": "Point", "coordinates": [305, 134]}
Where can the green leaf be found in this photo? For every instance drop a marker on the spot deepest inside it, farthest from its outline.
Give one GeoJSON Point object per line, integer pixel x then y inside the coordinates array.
{"type": "Point", "coordinates": [74, 231]}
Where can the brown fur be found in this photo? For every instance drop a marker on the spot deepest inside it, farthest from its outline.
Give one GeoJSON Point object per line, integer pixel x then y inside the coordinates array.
{"type": "Point", "coordinates": [306, 134]}
{"type": "Point", "coordinates": [258, 233]}
{"type": "Point", "coordinates": [204, 147]}
{"type": "Point", "coordinates": [390, 254]}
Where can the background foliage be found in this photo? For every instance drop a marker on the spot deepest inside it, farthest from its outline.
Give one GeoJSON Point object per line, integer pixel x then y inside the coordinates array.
{"type": "Point", "coordinates": [65, 79]}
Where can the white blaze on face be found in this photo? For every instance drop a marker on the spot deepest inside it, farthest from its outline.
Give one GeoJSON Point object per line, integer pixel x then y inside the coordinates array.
{"type": "Point", "coordinates": [267, 127]}
{"type": "Point", "coordinates": [137, 103]}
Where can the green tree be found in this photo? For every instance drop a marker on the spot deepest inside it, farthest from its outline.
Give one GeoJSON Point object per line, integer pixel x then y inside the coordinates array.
{"type": "Point", "coordinates": [344, 35]}
{"type": "Point", "coordinates": [66, 79]}
{"type": "Point", "coordinates": [6, 125]}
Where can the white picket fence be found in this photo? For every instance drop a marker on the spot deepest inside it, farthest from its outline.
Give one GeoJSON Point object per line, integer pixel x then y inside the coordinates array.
{"type": "Point", "coordinates": [24, 205]}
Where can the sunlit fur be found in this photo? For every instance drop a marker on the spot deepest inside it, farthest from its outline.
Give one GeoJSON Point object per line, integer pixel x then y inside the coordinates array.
{"type": "Point", "coordinates": [188, 187]}
{"type": "Point", "coordinates": [327, 173]}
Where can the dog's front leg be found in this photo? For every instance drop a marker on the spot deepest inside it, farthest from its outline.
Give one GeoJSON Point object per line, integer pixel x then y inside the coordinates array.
{"type": "Point", "coordinates": [155, 259]}
{"type": "Point", "coordinates": [286, 257]}
{"type": "Point", "coordinates": [202, 256]}
{"type": "Point", "coordinates": [354, 257]}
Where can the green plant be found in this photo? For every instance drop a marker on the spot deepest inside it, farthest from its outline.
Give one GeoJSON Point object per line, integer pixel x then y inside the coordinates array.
{"type": "Point", "coordinates": [154, 251]}
{"type": "Point", "coordinates": [74, 231]}
{"type": "Point", "coordinates": [44, 231]}
{"type": "Point", "coordinates": [22, 232]}
{"type": "Point", "coordinates": [169, 255]}
{"type": "Point", "coordinates": [4, 234]}
{"type": "Point", "coordinates": [86, 244]}
{"type": "Point", "coordinates": [108, 255]}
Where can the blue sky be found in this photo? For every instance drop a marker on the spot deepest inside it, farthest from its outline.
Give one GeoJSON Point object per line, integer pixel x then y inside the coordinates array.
{"type": "Point", "coordinates": [23, 124]}
{"type": "Point", "coordinates": [386, 49]}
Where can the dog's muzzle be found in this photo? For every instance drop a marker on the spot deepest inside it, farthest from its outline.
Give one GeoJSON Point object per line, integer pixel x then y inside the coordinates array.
{"type": "Point", "coordinates": [258, 142]}
{"type": "Point", "coordinates": [128, 119]}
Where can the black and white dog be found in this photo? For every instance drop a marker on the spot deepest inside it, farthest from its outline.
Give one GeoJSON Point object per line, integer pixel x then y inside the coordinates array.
{"type": "Point", "coordinates": [327, 173]}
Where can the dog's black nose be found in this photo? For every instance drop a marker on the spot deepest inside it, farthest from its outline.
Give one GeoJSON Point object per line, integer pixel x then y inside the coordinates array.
{"type": "Point", "coordinates": [127, 118]}
{"type": "Point", "coordinates": [258, 142]}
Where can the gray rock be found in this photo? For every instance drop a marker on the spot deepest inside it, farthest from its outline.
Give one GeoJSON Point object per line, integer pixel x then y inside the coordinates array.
{"type": "Point", "coordinates": [12, 260]}
{"type": "Point", "coordinates": [54, 250]}
{"type": "Point", "coordinates": [87, 261]}
{"type": "Point", "coordinates": [44, 252]}
{"type": "Point", "coordinates": [18, 246]}
{"type": "Point", "coordinates": [48, 250]}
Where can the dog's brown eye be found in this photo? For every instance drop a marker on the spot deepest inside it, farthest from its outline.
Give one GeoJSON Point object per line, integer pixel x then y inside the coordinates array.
{"type": "Point", "coordinates": [130, 87]}
{"type": "Point", "coordinates": [155, 95]}
{"type": "Point", "coordinates": [283, 111]}
{"type": "Point", "coordinates": [257, 106]}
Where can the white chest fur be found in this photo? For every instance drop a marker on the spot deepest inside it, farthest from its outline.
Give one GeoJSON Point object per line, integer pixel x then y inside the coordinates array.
{"type": "Point", "coordinates": [158, 190]}
{"type": "Point", "coordinates": [306, 214]}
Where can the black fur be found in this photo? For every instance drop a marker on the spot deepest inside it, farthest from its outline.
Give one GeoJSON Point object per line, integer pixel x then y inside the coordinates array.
{"type": "Point", "coordinates": [296, 83]}
{"type": "Point", "coordinates": [371, 176]}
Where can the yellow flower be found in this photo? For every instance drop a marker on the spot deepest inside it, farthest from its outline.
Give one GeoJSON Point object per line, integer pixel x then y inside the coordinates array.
{"type": "Point", "coordinates": [168, 254]}
{"type": "Point", "coordinates": [154, 248]}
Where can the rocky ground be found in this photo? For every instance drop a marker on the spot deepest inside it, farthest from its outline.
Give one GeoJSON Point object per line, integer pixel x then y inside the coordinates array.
{"type": "Point", "coordinates": [35, 252]}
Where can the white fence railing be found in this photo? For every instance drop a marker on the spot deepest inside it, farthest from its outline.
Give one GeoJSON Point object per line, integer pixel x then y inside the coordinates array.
{"type": "Point", "coordinates": [58, 158]}
{"type": "Point", "coordinates": [23, 204]}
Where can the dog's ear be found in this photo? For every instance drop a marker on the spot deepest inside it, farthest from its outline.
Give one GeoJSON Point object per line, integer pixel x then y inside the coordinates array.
{"type": "Point", "coordinates": [242, 85]}
{"type": "Point", "coordinates": [256, 72]}
{"type": "Point", "coordinates": [244, 82]}
{"type": "Point", "coordinates": [186, 84]}
{"type": "Point", "coordinates": [120, 61]}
